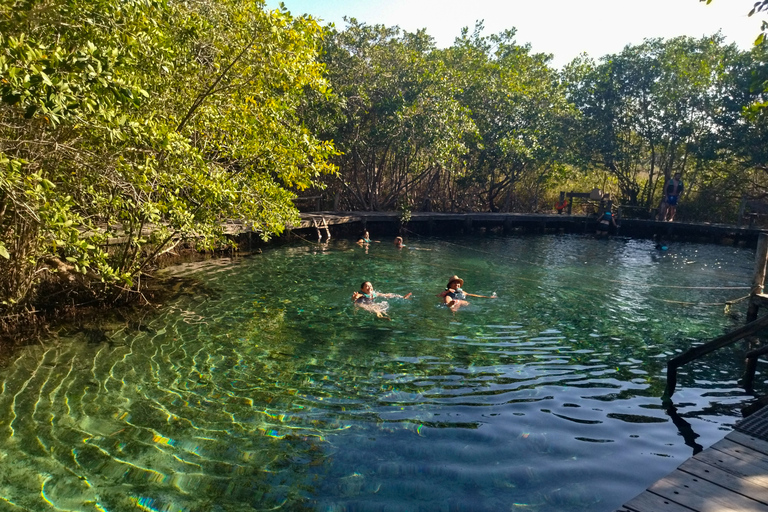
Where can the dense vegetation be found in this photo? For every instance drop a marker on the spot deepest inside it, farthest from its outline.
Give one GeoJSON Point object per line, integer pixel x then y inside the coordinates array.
{"type": "Point", "coordinates": [151, 122]}
{"type": "Point", "coordinates": [488, 125]}
{"type": "Point", "coordinates": [148, 121]}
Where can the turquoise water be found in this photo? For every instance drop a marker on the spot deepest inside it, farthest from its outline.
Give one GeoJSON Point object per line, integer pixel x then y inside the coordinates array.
{"type": "Point", "coordinates": [262, 387]}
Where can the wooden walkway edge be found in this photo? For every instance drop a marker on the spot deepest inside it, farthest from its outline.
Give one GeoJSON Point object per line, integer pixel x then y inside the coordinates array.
{"type": "Point", "coordinates": [731, 475]}
{"type": "Point", "coordinates": [427, 222]}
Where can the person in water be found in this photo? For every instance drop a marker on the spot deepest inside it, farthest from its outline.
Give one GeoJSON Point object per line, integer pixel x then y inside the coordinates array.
{"type": "Point", "coordinates": [454, 296]}
{"type": "Point", "coordinates": [605, 222]}
{"type": "Point", "coordinates": [399, 242]}
{"type": "Point", "coordinates": [365, 238]}
{"type": "Point", "coordinates": [366, 299]}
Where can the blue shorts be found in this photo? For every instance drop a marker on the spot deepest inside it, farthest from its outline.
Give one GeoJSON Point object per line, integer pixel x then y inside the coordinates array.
{"type": "Point", "coordinates": [672, 200]}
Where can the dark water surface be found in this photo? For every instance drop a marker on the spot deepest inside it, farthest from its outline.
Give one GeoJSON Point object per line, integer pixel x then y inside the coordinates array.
{"type": "Point", "coordinates": [263, 388]}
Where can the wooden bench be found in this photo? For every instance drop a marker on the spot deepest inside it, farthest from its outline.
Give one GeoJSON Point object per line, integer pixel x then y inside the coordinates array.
{"type": "Point", "coordinates": [751, 209]}
{"type": "Point", "coordinates": [593, 201]}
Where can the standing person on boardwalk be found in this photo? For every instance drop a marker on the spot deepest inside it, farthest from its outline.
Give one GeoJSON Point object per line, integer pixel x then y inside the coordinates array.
{"type": "Point", "coordinates": [672, 191]}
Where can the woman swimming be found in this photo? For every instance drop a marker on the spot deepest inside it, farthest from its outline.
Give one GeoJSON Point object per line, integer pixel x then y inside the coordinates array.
{"type": "Point", "coordinates": [365, 299]}
{"type": "Point", "coordinates": [454, 297]}
{"type": "Point", "coordinates": [365, 238]}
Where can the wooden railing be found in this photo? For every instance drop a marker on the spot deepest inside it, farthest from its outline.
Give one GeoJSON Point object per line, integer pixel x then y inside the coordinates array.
{"type": "Point", "coordinates": [754, 325]}
{"type": "Point", "coordinates": [720, 342]}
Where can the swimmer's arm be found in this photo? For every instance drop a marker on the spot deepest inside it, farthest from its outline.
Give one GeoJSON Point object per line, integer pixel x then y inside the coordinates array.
{"type": "Point", "coordinates": [356, 295]}
{"type": "Point", "coordinates": [393, 295]}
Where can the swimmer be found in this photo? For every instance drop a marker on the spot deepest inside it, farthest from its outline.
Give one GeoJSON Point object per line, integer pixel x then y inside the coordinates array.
{"type": "Point", "coordinates": [399, 242]}
{"type": "Point", "coordinates": [365, 299]}
{"type": "Point", "coordinates": [454, 297]}
{"type": "Point", "coordinates": [365, 238]}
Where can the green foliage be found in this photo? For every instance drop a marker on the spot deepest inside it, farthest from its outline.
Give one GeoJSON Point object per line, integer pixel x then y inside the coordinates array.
{"type": "Point", "coordinates": [653, 110]}
{"type": "Point", "coordinates": [395, 119]}
{"type": "Point", "coordinates": [519, 108]}
{"type": "Point", "coordinates": [150, 123]}
{"type": "Point", "coordinates": [438, 129]}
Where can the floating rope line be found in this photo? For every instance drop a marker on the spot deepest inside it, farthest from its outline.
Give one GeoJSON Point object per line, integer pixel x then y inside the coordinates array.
{"type": "Point", "coordinates": [683, 303]}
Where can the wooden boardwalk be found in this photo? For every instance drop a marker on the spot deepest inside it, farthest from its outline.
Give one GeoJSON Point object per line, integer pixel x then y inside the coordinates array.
{"type": "Point", "coordinates": [731, 475]}
{"type": "Point", "coordinates": [428, 223]}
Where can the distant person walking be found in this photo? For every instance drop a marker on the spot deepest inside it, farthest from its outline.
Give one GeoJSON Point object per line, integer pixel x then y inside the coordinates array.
{"type": "Point", "coordinates": [672, 191]}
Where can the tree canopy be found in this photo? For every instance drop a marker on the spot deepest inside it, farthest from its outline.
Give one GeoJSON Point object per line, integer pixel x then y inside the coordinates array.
{"type": "Point", "coordinates": [128, 127]}
{"type": "Point", "coordinates": [118, 117]}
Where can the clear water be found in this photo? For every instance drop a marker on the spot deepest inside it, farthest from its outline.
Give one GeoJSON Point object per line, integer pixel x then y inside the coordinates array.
{"type": "Point", "coordinates": [263, 388]}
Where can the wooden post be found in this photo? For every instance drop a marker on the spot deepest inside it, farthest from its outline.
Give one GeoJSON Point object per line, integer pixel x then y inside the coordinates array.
{"type": "Point", "coordinates": [749, 371]}
{"type": "Point", "coordinates": [570, 202]}
{"type": "Point", "coordinates": [560, 203]}
{"type": "Point", "coordinates": [758, 281]}
{"type": "Point", "coordinates": [327, 230]}
{"type": "Point", "coordinates": [749, 374]}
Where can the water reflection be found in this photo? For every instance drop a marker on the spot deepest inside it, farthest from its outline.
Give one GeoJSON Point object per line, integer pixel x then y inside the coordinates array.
{"type": "Point", "coordinates": [263, 388]}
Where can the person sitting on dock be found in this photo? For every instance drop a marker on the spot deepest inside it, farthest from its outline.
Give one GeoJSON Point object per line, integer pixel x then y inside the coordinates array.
{"type": "Point", "coordinates": [605, 222]}
{"type": "Point", "coordinates": [454, 297]}
{"type": "Point", "coordinates": [365, 299]}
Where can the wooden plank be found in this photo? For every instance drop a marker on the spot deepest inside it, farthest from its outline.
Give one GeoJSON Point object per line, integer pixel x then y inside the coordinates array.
{"type": "Point", "coordinates": [750, 466]}
{"type": "Point", "coordinates": [702, 495]}
{"type": "Point", "coordinates": [751, 442]}
{"type": "Point", "coordinates": [753, 488]}
{"type": "Point", "coordinates": [761, 258]}
{"type": "Point", "coordinates": [650, 502]}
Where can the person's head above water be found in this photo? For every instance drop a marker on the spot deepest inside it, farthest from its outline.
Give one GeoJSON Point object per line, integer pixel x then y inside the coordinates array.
{"type": "Point", "coordinates": [455, 280]}
{"type": "Point", "coordinates": [398, 241]}
{"type": "Point", "coordinates": [366, 287]}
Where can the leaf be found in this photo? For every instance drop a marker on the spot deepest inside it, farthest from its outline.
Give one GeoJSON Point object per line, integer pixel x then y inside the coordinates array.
{"type": "Point", "coordinates": [46, 80]}
{"type": "Point", "coordinates": [4, 252]}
